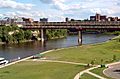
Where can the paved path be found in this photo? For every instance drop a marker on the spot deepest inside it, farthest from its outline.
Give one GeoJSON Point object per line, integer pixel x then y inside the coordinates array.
{"type": "Point", "coordinates": [2, 66]}
{"type": "Point", "coordinates": [95, 75]}
{"type": "Point", "coordinates": [113, 70]}
{"type": "Point", "coordinates": [58, 61]}
{"type": "Point", "coordinates": [88, 71]}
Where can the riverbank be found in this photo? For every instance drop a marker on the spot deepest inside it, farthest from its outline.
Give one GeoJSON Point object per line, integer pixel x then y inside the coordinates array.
{"type": "Point", "coordinates": [23, 41]}
{"type": "Point", "coordinates": [88, 53]}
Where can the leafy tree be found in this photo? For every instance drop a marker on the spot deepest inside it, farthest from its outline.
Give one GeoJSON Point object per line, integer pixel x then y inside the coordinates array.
{"type": "Point", "coordinates": [52, 33]}
{"type": "Point", "coordinates": [19, 35]}
{"type": "Point", "coordinates": [27, 34]}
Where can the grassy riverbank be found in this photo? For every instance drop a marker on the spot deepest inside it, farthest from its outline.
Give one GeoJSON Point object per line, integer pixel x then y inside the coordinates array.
{"type": "Point", "coordinates": [40, 70]}
{"type": "Point", "coordinates": [98, 53]}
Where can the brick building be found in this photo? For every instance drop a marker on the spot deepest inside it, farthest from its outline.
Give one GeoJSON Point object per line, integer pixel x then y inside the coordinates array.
{"type": "Point", "coordinates": [98, 17]}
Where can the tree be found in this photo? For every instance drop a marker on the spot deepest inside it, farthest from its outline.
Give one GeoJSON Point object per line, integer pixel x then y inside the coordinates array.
{"type": "Point", "coordinates": [27, 34]}
{"type": "Point", "coordinates": [19, 35]}
{"type": "Point", "coordinates": [92, 62]}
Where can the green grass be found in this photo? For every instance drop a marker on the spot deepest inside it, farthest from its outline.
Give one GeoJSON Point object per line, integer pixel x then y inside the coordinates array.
{"type": "Point", "coordinates": [99, 71]}
{"type": "Point", "coordinates": [87, 53]}
{"type": "Point", "coordinates": [40, 70]}
{"type": "Point", "coordinates": [87, 76]}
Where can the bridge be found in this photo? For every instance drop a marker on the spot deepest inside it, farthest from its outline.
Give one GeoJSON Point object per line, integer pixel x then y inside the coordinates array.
{"type": "Point", "coordinates": [66, 25]}
{"type": "Point", "coordinates": [81, 25]}
{"type": "Point", "coordinates": [108, 25]}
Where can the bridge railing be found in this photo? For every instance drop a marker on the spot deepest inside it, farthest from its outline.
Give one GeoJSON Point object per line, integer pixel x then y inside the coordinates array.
{"type": "Point", "coordinates": [87, 23]}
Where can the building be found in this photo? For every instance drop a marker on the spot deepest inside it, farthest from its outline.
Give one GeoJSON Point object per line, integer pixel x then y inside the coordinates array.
{"type": "Point", "coordinates": [103, 18]}
{"type": "Point", "coordinates": [43, 19]}
{"type": "Point", "coordinates": [7, 21]}
{"type": "Point", "coordinates": [112, 19]}
{"type": "Point", "coordinates": [92, 18]}
{"type": "Point", "coordinates": [27, 19]}
{"type": "Point", "coordinates": [98, 17]}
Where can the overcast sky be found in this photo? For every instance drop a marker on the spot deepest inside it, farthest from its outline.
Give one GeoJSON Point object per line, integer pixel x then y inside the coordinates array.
{"type": "Point", "coordinates": [57, 10]}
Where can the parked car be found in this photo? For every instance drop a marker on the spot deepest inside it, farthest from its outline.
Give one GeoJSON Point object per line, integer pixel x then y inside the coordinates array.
{"type": "Point", "coordinates": [3, 61]}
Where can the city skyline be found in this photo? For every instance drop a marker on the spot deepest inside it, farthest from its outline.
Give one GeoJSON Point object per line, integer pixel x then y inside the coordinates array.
{"type": "Point", "coordinates": [57, 10]}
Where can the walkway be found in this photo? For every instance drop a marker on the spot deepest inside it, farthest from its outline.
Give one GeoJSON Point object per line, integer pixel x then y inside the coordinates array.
{"type": "Point", "coordinates": [88, 71]}
{"type": "Point", "coordinates": [2, 66]}
{"type": "Point", "coordinates": [55, 61]}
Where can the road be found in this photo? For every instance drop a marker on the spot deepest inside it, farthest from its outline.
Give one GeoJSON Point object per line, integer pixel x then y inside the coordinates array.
{"type": "Point", "coordinates": [113, 70]}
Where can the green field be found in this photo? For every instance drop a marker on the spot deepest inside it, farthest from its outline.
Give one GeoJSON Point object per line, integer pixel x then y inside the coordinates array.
{"type": "Point", "coordinates": [99, 53]}
{"type": "Point", "coordinates": [40, 70]}
{"type": "Point", "coordinates": [87, 76]}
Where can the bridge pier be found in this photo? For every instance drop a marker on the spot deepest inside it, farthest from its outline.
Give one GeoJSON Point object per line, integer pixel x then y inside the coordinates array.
{"type": "Point", "coordinates": [79, 37]}
{"type": "Point", "coordinates": [42, 35]}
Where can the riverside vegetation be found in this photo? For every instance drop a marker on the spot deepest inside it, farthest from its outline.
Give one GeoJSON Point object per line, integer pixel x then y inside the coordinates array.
{"type": "Point", "coordinates": [13, 34]}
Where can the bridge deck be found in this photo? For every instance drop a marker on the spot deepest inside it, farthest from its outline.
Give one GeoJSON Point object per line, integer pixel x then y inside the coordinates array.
{"type": "Point", "coordinates": [68, 25]}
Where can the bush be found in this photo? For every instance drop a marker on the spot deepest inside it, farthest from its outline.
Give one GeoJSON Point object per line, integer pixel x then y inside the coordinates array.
{"type": "Point", "coordinates": [116, 33]}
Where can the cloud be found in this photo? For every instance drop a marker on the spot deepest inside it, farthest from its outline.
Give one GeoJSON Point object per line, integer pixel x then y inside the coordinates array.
{"type": "Point", "coordinates": [59, 9]}
{"type": "Point", "coordinates": [53, 16]}
{"type": "Point", "coordinates": [56, 4]}
{"type": "Point", "coordinates": [1, 15]}
{"type": "Point", "coordinates": [15, 5]}
{"type": "Point", "coordinates": [46, 1]}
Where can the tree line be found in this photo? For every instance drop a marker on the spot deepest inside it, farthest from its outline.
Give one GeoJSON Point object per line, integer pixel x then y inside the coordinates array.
{"type": "Point", "coordinates": [56, 33]}
{"type": "Point", "coordinates": [13, 34]}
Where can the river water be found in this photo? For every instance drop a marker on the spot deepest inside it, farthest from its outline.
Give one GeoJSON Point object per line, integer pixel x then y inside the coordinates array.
{"type": "Point", "coordinates": [13, 51]}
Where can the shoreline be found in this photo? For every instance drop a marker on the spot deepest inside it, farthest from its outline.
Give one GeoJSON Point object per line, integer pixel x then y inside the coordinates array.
{"type": "Point", "coordinates": [25, 41]}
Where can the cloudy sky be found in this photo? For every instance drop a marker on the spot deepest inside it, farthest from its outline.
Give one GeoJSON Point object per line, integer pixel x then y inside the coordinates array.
{"type": "Point", "coordinates": [57, 10]}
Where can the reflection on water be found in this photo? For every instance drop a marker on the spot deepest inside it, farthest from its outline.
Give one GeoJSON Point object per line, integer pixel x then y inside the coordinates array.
{"type": "Point", "coordinates": [26, 49]}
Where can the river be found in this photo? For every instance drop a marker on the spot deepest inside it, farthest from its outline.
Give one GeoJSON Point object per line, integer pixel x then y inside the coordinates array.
{"type": "Point", "coordinates": [13, 51]}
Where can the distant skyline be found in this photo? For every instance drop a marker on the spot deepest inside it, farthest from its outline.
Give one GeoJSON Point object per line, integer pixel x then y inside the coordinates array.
{"type": "Point", "coordinates": [57, 10]}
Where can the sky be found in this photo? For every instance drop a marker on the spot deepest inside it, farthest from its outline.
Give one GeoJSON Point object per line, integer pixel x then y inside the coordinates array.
{"type": "Point", "coordinates": [58, 10]}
